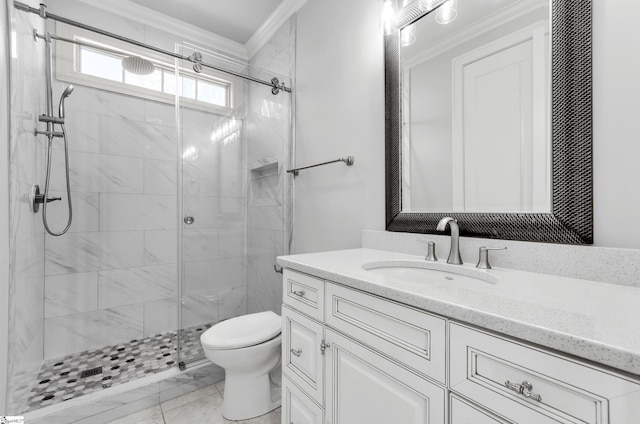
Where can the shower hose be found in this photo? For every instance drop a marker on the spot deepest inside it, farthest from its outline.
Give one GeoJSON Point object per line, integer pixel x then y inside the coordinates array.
{"type": "Point", "coordinates": [48, 177]}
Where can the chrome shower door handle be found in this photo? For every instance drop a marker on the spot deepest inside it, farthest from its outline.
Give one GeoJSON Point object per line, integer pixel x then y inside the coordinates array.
{"type": "Point", "coordinates": [189, 220]}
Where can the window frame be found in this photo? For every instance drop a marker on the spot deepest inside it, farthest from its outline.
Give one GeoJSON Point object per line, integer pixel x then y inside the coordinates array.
{"type": "Point", "coordinates": [68, 69]}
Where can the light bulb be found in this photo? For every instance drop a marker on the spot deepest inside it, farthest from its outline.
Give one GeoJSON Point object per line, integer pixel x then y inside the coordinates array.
{"type": "Point", "coordinates": [408, 36]}
{"type": "Point", "coordinates": [387, 17]}
{"type": "Point", "coordinates": [447, 12]}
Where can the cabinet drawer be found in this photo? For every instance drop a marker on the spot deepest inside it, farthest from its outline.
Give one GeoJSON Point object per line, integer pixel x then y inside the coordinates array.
{"type": "Point", "coordinates": [570, 391]}
{"type": "Point", "coordinates": [464, 412]}
{"type": "Point", "coordinates": [297, 407]}
{"type": "Point", "coordinates": [301, 355]}
{"type": "Point", "coordinates": [412, 337]}
{"type": "Point", "coordinates": [304, 293]}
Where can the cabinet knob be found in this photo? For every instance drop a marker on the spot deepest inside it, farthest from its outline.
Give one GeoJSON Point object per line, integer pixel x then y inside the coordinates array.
{"type": "Point", "coordinates": [296, 352]}
{"type": "Point", "coordinates": [298, 293]}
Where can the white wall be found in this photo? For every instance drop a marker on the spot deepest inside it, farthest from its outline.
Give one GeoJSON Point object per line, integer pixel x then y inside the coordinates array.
{"type": "Point", "coordinates": [616, 98]}
{"type": "Point", "coordinates": [340, 110]}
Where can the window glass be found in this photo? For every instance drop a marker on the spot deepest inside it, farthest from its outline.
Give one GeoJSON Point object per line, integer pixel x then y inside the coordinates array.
{"type": "Point", "coordinates": [188, 88]}
{"type": "Point", "coordinates": [212, 93]}
{"type": "Point", "coordinates": [152, 81]}
{"type": "Point", "coordinates": [92, 66]}
{"type": "Point", "coordinates": [99, 64]}
{"type": "Point", "coordinates": [169, 86]}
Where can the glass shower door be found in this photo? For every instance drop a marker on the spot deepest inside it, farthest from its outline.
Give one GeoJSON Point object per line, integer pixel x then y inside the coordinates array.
{"type": "Point", "coordinates": [213, 199]}
{"type": "Point", "coordinates": [235, 194]}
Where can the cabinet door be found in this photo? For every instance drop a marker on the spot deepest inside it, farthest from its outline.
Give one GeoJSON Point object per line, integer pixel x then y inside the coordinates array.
{"type": "Point", "coordinates": [297, 408]}
{"type": "Point", "coordinates": [364, 387]}
{"type": "Point", "coordinates": [301, 352]}
{"type": "Point", "coordinates": [464, 412]}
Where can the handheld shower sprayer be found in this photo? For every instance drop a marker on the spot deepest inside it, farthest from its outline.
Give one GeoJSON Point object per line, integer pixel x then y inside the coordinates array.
{"type": "Point", "coordinates": [66, 93]}
{"type": "Point", "coordinates": [51, 122]}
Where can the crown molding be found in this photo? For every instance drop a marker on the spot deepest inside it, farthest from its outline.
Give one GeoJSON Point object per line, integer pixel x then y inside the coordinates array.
{"type": "Point", "coordinates": [273, 23]}
{"type": "Point", "coordinates": [183, 30]}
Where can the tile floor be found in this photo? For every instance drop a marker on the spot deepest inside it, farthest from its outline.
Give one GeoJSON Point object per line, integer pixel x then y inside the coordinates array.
{"type": "Point", "coordinates": [61, 379]}
{"type": "Point", "coordinates": [203, 406]}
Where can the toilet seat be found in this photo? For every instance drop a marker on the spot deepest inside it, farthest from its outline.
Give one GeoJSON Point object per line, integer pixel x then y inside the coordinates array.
{"type": "Point", "coordinates": [242, 331]}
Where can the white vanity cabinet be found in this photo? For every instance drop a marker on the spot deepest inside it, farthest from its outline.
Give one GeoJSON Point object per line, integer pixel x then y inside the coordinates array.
{"type": "Point", "coordinates": [345, 372]}
{"type": "Point", "coordinates": [350, 357]}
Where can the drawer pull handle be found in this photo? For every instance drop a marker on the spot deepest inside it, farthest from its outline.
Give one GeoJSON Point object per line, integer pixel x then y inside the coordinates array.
{"type": "Point", "coordinates": [299, 293]}
{"type": "Point", "coordinates": [296, 352]}
{"type": "Point", "coordinates": [525, 389]}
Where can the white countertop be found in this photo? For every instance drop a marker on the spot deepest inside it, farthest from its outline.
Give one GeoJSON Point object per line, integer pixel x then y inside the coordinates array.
{"type": "Point", "coordinates": [591, 320]}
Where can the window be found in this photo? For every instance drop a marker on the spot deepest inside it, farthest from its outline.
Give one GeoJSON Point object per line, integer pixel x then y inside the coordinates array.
{"type": "Point", "coordinates": [101, 68]}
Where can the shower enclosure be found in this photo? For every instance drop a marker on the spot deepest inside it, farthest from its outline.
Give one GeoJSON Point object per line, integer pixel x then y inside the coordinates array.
{"type": "Point", "coordinates": [180, 201]}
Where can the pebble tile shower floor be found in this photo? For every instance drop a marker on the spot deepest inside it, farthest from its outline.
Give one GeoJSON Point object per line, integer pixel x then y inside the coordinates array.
{"type": "Point", "coordinates": [60, 379]}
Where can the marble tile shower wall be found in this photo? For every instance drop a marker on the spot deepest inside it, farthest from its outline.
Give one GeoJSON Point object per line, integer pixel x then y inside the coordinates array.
{"type": "Point", "coordinates": [269, 144]}
{"type": "Point", "coordinates": [26, 232]}
{"type": "Point", "coordinates": [113, 277]}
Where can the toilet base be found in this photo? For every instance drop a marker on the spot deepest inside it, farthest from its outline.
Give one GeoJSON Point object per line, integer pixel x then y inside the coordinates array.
{"type": "Point", "coordinates": [247, 396]}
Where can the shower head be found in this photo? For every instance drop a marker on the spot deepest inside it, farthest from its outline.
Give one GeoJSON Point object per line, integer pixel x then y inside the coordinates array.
{"type": "Point", "coordinates": [66, 93]}
{"type": "Point", "coordinates": [138, 65]}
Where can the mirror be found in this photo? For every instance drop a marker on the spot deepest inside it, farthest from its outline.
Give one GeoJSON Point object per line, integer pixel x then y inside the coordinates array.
{"type": "Point", "coordinates": [475, 108]}
{"type": "Point", "coordinates": [481, 127]}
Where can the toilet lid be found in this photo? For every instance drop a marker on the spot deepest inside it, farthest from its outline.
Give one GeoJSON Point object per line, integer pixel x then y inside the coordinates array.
{"type": "Point", "coordinates": [242, 331]}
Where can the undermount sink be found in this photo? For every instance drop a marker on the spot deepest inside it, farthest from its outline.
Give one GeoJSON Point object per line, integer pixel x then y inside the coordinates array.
{"type": "Point", "coordinates": [430, 272]}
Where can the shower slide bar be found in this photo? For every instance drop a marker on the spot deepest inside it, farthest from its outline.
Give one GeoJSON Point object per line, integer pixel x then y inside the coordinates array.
{"type": "Point", "coordinates": [348, 160]}
{"type": "Point", "coordinates": [195, 58]}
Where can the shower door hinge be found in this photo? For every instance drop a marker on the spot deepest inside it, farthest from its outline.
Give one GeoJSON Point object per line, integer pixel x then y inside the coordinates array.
{"type": "Point", "coordinates": [323, 346]}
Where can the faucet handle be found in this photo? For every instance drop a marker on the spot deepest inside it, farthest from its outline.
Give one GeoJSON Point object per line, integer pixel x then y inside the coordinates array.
{"type": "Point", "coordinates": [431, 250]}
{"type": "Point", "coordinates": [483, 259]}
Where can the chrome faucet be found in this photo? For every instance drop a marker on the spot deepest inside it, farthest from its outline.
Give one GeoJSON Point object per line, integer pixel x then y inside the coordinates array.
{"type": "Point", "coordinates": [454, 252]}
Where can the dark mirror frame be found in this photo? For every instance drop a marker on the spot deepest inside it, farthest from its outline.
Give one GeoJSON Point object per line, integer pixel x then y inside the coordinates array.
{"type": "Point", "coordinates": [571, 217]}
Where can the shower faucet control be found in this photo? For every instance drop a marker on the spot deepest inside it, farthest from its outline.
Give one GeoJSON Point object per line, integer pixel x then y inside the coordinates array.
{"type": "Point", "coordinates": [52, 119]}
{"type": "Point", "coordinates": [36, 198]}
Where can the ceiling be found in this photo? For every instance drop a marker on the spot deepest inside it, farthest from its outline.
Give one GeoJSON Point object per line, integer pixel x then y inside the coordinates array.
{"type": "Point", "coordinates": [236, 20]}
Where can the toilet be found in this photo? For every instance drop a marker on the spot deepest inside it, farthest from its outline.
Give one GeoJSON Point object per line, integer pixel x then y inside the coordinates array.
{"type": "Point", "coordinates": [248, 348]}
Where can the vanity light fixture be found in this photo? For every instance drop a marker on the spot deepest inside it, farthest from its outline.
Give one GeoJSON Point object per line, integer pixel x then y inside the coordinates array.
{"type": "Point", "coordinates": [408, 34]}
{"type": "Point", "coordinates": [387, 17]}
{"type": "Point", "coordinates": [447, 12]}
